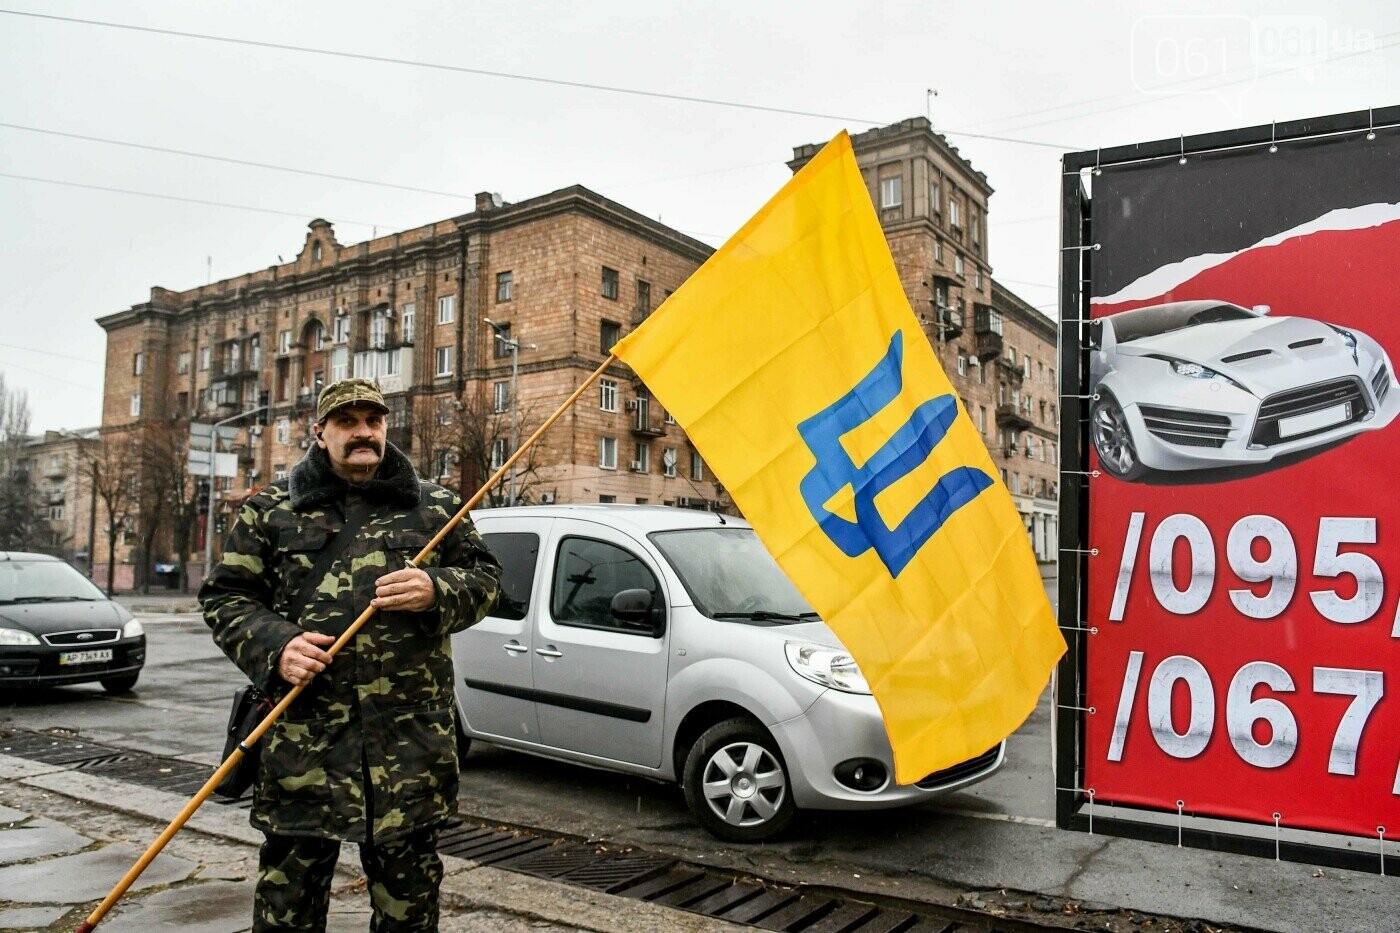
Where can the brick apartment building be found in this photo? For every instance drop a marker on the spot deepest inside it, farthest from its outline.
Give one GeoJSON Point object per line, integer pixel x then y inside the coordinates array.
{"type": "Point", "coordinates": [562, 276]}
{"type": "Point", "coordinates": [998, 351]}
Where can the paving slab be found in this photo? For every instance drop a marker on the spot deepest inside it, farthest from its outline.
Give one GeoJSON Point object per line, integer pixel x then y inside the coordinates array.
{"type": "Point", "coordinates": [214, 907]}
{"type": "Point", "coordinates": [30, 918]}
{"type": "Point", "coordinates": [10, 815]}
{"type": "Point", "coordinates": [87, 876]}
{"type": "Point", "coordinates": [13, 769]}
{"type": "Point", "coordinates": [39, 838]}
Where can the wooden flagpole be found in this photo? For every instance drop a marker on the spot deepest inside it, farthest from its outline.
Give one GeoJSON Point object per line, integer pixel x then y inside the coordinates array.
{"type": "Point", "coordinates": [232, 761]}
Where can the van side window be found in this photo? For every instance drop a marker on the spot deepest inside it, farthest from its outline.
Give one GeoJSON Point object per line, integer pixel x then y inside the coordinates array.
{"type": "Point", "coordinates": [586, 578]}
{"type": "Point", "coordinates": [518, 552]}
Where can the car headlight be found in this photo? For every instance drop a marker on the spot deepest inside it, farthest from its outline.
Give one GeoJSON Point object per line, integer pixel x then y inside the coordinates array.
{"type": "Point", "coordinates": [13, 636]}
{"type": "Point", "coordinates": [133, 628]}
{"type": "Point", "coordinates": [1192, 370]}
{"type": "Point", "coordinates": [829, 667]}
{"type": "Point", "coordinates": [1349, 339]}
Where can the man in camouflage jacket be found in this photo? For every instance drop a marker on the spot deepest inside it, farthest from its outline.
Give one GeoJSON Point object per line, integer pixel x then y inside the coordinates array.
{"type": "Point", "coordinates": [367, 752]}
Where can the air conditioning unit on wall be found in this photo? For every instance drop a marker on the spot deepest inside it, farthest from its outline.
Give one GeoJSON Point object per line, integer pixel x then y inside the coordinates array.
{"type": "Point", "coordinates": [635, 466]}
{"type": "Point", "coordinates": [546, 498]}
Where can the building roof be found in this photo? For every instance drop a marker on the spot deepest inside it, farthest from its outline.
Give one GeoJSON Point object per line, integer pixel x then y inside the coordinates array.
{"type": "Point", "coordinates": [881, 135]}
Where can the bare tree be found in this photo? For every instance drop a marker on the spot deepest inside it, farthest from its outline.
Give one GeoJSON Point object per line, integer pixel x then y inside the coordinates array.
{"type": "Point", "coordinates": [112, 472]}
{"type": "Point", "coordinates": [461, 442]}
{"type": "Point", "coordinates": [23, 525]}
{"type": "Point", "coordinates": [165, 493]}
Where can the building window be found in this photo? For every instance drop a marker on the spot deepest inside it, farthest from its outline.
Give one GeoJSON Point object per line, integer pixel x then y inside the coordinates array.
{"type": "Point", "coordinates": [500, 451]}
{"type": "Point", "coordinates": [962, 363]}
{"type": "Point", "coordinates": [55, 513]}
{"type": "Point", "coordinates": [444, 361]}
{"type": "Point", "coordinates": [447, 309]}
{"type": "Point", "coordinates": [607, 394]}
{"type": "Point", "coordinates": [342, 327]}
{"type": "Point", "coordinates": [609, 333]}
{"type": "Point", "coordinates": [316, 251]}
{"type": "Point", "coordinates": [279, 471]}
{"type": "Point", "coordinates": [938, 251]}
{"type": "Point", "coordinates": [606, 499]}
{"type": "Point", "coordinates": [284, 430]}
{"type": "Point", "coordinates": [977, 279]}
{"type": "Point", "coordinates": [205, 354]}
{"type": "Point", "coordinates": [643, 297]}
{"type": "Point", "coordinates": [378, 330]}
{"type": "Point", "coordinates": [1011, 355]}
{"type": "Point", "coordinates": [641, 460]}
{"type": "Point", "coordinates": [697, 465]}
{"type": "Point", "coordinates": [136, 405]}
{"type": "Point", "coordinates": [389, 363]}
{"type": "Point", "coordinates": [410, 311]}
{"type": "Point", "coordinates": [138, 364]}
{"type": "Point", "coordinates": [954, 215]}
{"type": "Point", "coordinates": [982, 420]}
{"type": "Point", "coordinates": [500, 396]}
{"type": "Point", "coordinates": [1026, 368]}
{"type": "Point", "coordinates": [501, 340]}
{"type": "Point", "coordinates": [958, 264]}
{"type": "Point", "coordinates": [442, 462]}
{"type": "Point", "coordinates": [504, 281]}
{"type": "Point", "coordinates": [284, 341]}
{"type": "Point", "coordinates": [891, 192]}
{"type": "Point", "coordinates": [668, 461]}
{"type": "Point", "coordinates": [182, 362]}
{"type": "Point", "coordinates": [935, 198]}
{"type": "Point", "coordinates": [607, 453]}
{"type": "Point", "coordinates": [668, 418]}
{"type": "Point", "coordinates": [340, 363]}
{"type": "Point", "coordinates": [610, 283]}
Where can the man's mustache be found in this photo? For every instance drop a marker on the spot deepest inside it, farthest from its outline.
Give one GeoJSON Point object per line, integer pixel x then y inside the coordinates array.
{"type": "Point", "coordinates": [368, 445]}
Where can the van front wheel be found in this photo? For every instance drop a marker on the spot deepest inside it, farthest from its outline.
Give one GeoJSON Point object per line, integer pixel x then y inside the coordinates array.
{"type": "Point", "coordinates": [735, 783]}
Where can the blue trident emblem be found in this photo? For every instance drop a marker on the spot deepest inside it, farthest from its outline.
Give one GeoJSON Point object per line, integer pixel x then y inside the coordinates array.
{"type": "Point", "coordinates": [901, 454]}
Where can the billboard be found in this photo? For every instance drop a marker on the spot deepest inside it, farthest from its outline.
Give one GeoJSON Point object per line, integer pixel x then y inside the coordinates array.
{"type": "Point", "coordinates": [1236, 417]}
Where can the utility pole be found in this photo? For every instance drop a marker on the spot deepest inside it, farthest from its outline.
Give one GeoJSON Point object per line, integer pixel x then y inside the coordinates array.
{"type": "Point", "coordinates": [513, 345]}
{"type": "Point", "coordinates": [92, 515]}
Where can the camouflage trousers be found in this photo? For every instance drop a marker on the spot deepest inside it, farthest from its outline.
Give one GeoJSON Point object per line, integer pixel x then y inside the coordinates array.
{"type": "Point", "coordinates": [294, 883]}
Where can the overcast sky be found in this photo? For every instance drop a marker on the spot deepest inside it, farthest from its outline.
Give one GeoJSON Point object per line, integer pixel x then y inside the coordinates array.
{"type": "Point", "coordinates": [1074, 76]}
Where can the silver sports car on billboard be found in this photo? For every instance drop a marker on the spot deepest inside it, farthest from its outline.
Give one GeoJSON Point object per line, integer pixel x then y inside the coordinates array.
{"type": "Point", "coordinates": [1200, 385]}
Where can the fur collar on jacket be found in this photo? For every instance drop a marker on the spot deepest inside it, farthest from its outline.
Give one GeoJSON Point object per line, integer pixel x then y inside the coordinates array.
{"type": "Point", "coordinates": [314, 483]}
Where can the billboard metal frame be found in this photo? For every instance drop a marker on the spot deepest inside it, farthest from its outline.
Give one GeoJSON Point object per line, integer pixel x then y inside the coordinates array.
{"type": "Point", "coordinates": [1074, 807]}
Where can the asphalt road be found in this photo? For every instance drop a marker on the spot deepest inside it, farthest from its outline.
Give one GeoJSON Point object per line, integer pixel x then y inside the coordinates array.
{"type": "Point", "coordinates": [998, 835]}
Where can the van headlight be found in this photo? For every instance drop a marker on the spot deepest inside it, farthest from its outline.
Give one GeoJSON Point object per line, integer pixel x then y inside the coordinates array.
{"type": "Point", "coordinates": [13, 636]}
{"type": "Point", "coordinates": [830, 667]}
{"type": "Point", "coordinates": [133, 628]}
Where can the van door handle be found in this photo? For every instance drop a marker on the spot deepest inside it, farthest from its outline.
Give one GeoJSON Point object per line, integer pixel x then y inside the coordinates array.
{"type": "Point", "coordinates": [550, 652]}
{"type": "Point", "coordinates": [514, 647]}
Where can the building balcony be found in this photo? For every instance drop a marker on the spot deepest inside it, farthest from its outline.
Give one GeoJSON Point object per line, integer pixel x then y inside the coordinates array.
{"type": "Point", "coordinates": [948, 320]}
{"type": "Point", "coordinates": [988, 346]}
{"type": "Point", "coordinates": [647, 428]}
{"type": "Point", "coordinates": [1011, 416]}
{"type": "Point", "coordinates": [1013, 373]}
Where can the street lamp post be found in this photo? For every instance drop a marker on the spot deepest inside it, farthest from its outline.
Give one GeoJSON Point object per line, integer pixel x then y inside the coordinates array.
{"type": "Point", "coordinates": [513, 345]}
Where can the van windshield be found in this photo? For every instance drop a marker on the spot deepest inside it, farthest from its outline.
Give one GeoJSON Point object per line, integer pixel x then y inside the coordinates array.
{"type": "Point", "coordinates": [729, 574]}
{"type": "Point", "coordinates": [43, 581]}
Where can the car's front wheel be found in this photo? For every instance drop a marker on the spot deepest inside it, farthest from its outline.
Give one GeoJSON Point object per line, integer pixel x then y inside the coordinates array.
{"type": "Point", "coordinates": [1113, 440]}
{"type": "Point", "coordinates": [123, 684]}
{"type": "Point", "coordinates": [735, 783]}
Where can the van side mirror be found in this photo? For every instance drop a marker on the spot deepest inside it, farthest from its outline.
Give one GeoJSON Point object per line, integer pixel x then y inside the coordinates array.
{"type": "Point", "coordinates": [634, 609]}
{"type": "Point", "coordinates": [1262, 309]}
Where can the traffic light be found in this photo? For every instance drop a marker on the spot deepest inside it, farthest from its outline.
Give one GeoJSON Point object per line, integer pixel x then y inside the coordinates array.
{"type": "Point", "coordinates": [201, 494]}
{"type": "Point", "coordinates": [264, 400]}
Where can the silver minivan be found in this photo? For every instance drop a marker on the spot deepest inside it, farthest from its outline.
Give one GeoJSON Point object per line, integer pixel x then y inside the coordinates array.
{"type": "Point", "coordinates": [667, 642]}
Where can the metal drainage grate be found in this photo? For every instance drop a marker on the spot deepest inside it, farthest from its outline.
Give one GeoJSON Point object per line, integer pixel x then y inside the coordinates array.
{"type": "Point", "coordinates": [669, 882]}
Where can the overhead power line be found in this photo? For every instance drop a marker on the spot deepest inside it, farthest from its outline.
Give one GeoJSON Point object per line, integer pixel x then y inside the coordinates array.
{"type": "Point", "coordinates": [62, 356]}
{"type": "Point", "coordinates": [302, 215]}
{"type": "Point", "coordinates": [44, 375]}
{"type": "Point", "coordinates": [511, 76]}
{"type": "Point", "coordinates": [233, 161]}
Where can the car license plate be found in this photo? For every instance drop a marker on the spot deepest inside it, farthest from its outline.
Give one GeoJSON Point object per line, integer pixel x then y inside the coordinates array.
{"type": "Point", "coordinates": [95, 656]}
{"type": "Point", "coordinates": [1313, 420]}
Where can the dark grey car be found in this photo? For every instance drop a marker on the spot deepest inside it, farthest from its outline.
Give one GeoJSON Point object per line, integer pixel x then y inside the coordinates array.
{"type": "Point", "coordinates": [57, 628]}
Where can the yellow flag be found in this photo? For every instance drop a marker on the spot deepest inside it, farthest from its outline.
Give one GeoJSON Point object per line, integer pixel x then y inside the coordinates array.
{"type": "Point", "coordinates": [795, 364]}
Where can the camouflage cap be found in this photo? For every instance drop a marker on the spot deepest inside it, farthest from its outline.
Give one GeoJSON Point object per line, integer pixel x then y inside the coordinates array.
{"type": "Point", "coordinates": [349, 392]}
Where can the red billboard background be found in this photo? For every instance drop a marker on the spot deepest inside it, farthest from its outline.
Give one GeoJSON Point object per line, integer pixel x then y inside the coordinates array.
{"type": "Point", "coordinates": [1294, 717]}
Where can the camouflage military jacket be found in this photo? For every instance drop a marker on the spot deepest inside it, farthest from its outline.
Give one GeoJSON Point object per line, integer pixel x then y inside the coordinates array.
{"type": "Point", "coordinates": [372, 737]}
